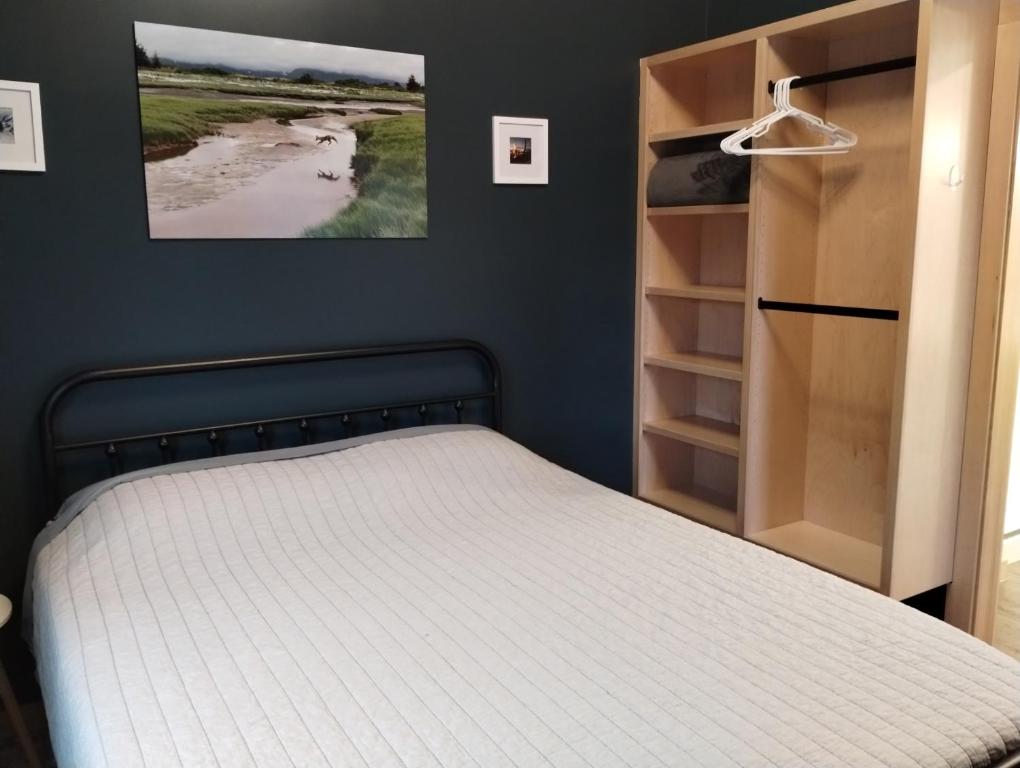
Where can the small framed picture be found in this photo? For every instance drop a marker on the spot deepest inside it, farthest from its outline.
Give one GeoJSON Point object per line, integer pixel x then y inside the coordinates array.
{"type": "Point", "coordinates": [520, 150]}
{"type": "Point", "coordinates": [21, 134]}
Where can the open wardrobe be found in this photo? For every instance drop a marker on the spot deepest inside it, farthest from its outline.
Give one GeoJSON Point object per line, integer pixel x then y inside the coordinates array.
{"type": "Point", "coordinates": [803, 345]}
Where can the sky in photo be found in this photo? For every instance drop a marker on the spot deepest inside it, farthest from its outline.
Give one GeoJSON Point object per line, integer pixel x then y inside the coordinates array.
{"type": "Point", "coordinates": [203, 46]}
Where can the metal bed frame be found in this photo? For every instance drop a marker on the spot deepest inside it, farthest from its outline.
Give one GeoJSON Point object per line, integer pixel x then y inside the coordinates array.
{"type": "Point", "coordinates": [430, 410]}
{"type": "Point", "coordinates": [433, 408]}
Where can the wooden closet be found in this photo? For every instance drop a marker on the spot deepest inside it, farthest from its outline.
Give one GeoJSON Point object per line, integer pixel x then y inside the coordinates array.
{"type": "Point", "coordinates": [834, 439]}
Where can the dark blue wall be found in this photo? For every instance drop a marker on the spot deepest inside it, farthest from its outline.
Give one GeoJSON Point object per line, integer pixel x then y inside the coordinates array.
{"type": "Point", "coordinates": [542, 275]}
{"type": "Point", "coordinates": [724, 17]}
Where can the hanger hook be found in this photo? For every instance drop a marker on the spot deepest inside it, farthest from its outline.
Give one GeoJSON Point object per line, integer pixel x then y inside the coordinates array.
{"type": "Point", "coordinates": [782, 92]}
{"type": "Point", "coordinates": [777, 93]}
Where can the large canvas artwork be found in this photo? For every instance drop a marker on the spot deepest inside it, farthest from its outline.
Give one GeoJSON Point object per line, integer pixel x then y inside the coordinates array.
{"type": "Point", "coordinates": [257, 137]}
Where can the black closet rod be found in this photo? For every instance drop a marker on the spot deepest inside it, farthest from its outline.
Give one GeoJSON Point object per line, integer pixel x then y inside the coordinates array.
{"type": "Point", "coordinates": [829, 309]}
{"type": "Point", "coordinates": [845, 74]}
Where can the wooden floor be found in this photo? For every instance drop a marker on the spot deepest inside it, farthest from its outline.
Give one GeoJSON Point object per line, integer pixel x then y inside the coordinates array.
{"type": "Point", "coordinates": [1007, 619]}
{"type": "Point", "coordinates": [10, 753]}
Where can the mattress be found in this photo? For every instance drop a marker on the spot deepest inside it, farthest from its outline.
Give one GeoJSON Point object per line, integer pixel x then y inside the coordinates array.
{"type": "Point", "coordinates": [452, 599]}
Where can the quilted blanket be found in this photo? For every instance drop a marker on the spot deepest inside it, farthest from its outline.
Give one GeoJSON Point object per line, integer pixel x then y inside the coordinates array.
{"type": "Point", "coordinates": [451, 599]}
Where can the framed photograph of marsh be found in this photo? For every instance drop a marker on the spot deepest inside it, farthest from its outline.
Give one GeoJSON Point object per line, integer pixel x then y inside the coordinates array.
{"type": "Point", "coordinates": [21, 134]}
{"type": "Point", "coordinates": [249, 137]}
{"type": "Point", "coordinates": [520, 150]}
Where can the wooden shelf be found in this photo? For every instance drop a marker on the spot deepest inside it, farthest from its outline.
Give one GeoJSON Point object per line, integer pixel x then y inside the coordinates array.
{"type": "Point", "coordinates": [821, 441]}
{"type": "Point", "coordinates": [699, 210]}
{"type": "Point", "coordinates": [699, 504]}
{"type": "Point", "coordinates": [729, 126]}
{"type": "Point", "coordinates": [701, 293]}
{"type": "Point", "coordinates": [711, 87]}
{"type": "Point", "coordinates": [715, 435]}
{"type": "Point", "coordinates": [851, 558]}
{"type": "Point", "coordinates": [702, 363]}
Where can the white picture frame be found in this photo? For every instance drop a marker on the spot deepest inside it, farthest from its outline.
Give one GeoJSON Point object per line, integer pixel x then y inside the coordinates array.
{"type": "Point", "coordinates": [520, 150]}
{"type": "Point", "coordinates": [21, 132]}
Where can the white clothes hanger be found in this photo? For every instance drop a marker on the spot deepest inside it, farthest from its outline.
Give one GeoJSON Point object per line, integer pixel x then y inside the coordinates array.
{"type": "Point", "coordinates": [839, 140]}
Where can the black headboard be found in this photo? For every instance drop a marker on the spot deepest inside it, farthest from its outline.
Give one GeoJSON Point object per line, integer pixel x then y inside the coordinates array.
{"type": "Point", "coordinates": [117, 447]}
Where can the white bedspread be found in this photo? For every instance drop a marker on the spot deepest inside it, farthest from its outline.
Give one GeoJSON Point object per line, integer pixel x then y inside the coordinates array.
{"type": "Point", "coordinates": [454, 600]}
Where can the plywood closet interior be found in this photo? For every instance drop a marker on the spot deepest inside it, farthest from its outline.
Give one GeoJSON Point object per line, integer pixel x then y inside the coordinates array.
{"type": "Point", "coordinates": [835, 440]}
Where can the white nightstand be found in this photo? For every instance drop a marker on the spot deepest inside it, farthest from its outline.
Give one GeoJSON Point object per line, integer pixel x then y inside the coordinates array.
{"type": "Point", "coordinates": [10, 703]}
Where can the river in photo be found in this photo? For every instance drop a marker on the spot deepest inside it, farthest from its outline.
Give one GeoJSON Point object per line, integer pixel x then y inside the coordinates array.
{"type": "Point", "coordinates": [254, 180]}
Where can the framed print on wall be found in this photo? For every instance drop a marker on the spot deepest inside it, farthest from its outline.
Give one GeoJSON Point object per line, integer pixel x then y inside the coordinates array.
{"type": "Point", "coordinates": [520, 150]}
{"type": "Point", "coordinates": [250, 137]}
{"type": "Point", "coordinates": [21, 134]}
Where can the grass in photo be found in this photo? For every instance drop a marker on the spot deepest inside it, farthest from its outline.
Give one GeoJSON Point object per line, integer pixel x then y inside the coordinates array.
{"type": "Point", "coordinates": [389, 172]}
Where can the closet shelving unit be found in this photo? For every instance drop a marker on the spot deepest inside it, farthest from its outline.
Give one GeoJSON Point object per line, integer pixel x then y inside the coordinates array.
{"type": "Point", "coordinates": [692, 289]}
{"type": "Point", "coordinates": [833, 438]}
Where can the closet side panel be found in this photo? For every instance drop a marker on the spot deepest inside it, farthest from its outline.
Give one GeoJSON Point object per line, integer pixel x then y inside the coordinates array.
{"type": "Point", "coordinates": [644, 249]}
{"type": "Point", "coordinates": [864, 244]}
{"type": "Point", "coordinates": [955, 64]}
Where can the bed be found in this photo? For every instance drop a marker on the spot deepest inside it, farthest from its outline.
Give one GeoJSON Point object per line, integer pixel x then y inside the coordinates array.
{"type": "Point", "coordinates": [438, 595]}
